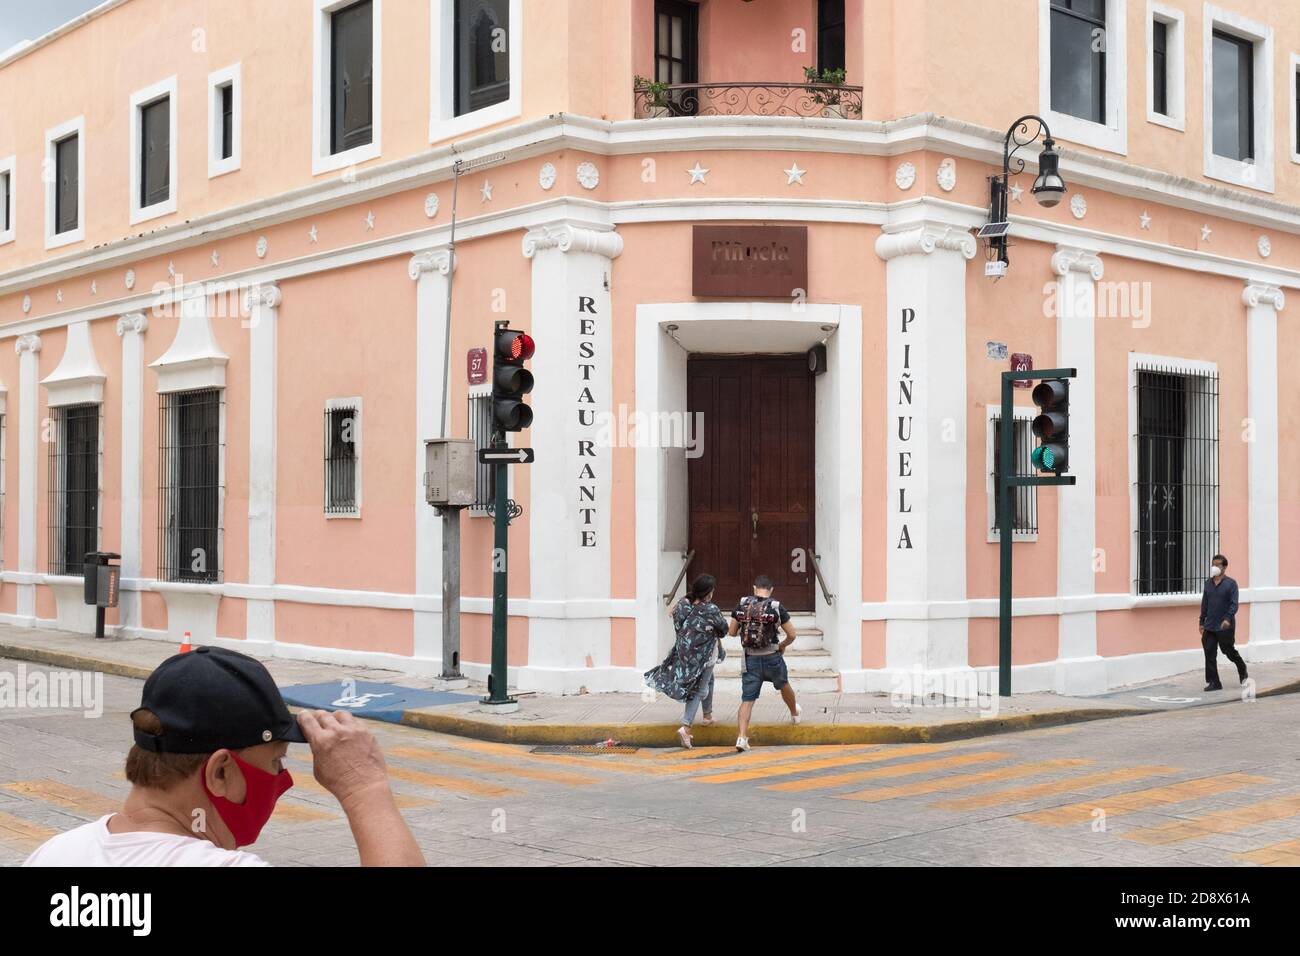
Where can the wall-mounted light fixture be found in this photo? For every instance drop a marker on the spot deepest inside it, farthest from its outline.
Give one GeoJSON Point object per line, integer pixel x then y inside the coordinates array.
{"type": "Point", "coordinates": [1048, 187]}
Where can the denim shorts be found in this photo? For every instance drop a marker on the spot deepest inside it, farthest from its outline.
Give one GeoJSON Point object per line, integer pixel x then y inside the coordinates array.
{"type": "Point", "coordinates": [769, 667]}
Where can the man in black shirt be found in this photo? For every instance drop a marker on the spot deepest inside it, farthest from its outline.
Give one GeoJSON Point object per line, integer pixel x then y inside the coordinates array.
{"type": "Point", "coordinates": [765, 632]}
{"type": "Point", "coordinates": [1219, 623]}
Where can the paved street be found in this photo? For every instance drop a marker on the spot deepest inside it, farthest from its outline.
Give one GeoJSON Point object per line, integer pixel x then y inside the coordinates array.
{"type": "Point", "coordinates": [1207, 786]}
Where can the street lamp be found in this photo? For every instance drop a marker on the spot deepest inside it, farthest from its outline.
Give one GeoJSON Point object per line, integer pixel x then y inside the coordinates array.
{"type": "Point", "coordinates": [1048, 187]}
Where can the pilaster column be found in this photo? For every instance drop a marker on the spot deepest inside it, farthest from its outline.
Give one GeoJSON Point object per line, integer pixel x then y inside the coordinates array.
{"type": "Point", "coordinates": [1079, 670]}
{"type": "Point", "coordinates": [29, 423]}
{"type": "Point", "coordinates": [570, 483]}
{"type": "Point", "coordinates": [431, 271]}
{"type": "Point", "coordinates": [262, 305]}
{"type": "Point", "coordinates": [131, 328]}
{"type": "Point", "coordinates": [925, 402]}
{"type": "Point", "coordinates": [1263, 303]}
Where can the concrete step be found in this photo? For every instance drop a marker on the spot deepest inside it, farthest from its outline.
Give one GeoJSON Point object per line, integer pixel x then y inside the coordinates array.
{"type": "Point", "coordinates": [797, 661]}
{"type": "Point", "coordinates": [809, 682]}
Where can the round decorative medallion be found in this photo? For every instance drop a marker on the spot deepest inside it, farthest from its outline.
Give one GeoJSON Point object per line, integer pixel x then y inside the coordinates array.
{"type": "Point", "coordinates": [130, 278]}
{"type": "Point", "coordinates": [431, 205]}
{"type": "Point", "coordinates": [1265, 246]}
{"type": "Point", "coordinates": [547, 175]}
{"type": "Point", "coordinates": [261, 247]}
{"type": "Point", "coordinates": [27, 303]}
{"type": "Point", "coordinates": [947, 175]}
{"type": "Point", "coordinates": [905, 175]}
{"type": "Point", "coordinates": [588, 175]}
{"type": "Point", "coordinates": [1078, 206]}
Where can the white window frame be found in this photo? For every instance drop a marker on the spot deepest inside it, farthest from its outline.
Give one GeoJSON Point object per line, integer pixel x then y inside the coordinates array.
{"type": "Point", "coordinates": [358, 427]}
{"type": "Point", "coordinates": [1111, 136]}
{"type": "Point", "coordinates": [1138, 361]}
{"type": "Point", "coordinates": [1259, 174]}
{"type": "Point", "coordinates": [1291, 97]}
{"type": "Point", "coordinates": [443, 121]}
{"type": "Point", "coordinates": [322, 160]}
{"type": "Point", "coordinates": [218, 80]}
{"type": "Point", "coordinates": [1175, 66]}
{"type": "Point", "coordinates": [993, 415]}
{"type": "Point", "coordinates": [9, 167]}
{"type": "Point", "coordinates": [53, 136]}
{"type": "Point", "coordinates": [139, 100]}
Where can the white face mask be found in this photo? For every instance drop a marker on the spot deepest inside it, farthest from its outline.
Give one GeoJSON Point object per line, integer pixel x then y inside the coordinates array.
{"type": "Point", "coordinates": [1215, 571]}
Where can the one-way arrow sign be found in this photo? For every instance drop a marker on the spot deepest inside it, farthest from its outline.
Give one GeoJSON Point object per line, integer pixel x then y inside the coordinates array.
{"type": "Point", "coordinates": [511, 456]}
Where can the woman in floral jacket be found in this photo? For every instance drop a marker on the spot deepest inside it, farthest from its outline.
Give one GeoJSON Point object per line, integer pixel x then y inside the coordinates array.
{"type": "Point", "coordinates": [687, 672]}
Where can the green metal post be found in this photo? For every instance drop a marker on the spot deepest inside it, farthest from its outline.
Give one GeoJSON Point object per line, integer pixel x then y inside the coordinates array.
{"type": "Point", "coordinates": [1005, 494]}
{"type": "Point", "coordinates": [501, 519]}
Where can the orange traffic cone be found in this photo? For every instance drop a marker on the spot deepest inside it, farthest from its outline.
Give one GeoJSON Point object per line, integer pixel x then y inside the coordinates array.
{"type": "Point", "coordinates": [185, 644]}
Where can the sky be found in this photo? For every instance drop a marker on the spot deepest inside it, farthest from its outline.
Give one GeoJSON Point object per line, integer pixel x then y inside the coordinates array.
{"type": "Point", "coordinates": [29, 19]}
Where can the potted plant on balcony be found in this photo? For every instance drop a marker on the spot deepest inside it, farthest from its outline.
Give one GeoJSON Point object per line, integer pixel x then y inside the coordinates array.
{"type": "Point", "coordinates": [657, 102]}
{"type": "Point", "coordinates": [828, 92]}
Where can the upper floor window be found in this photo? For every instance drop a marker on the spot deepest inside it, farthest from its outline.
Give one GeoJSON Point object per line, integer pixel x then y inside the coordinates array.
{"type": "Point", "coordinates": [65, 156]}
{"type": "Point", "coordinates": [1238, 99]}
{"type": "Point", "coordinates": [153, 151]}
{"type": "Point", "coordinates": [1160, 67]}
{"type": "Point", "coordinates": [1234, 97]}
{"type": "Point", "coordinates": [352, 69]}
{"type": "Point", "coordinates": [7, 200]}
{"type": "Point", "coordinates": [223, 121]}
{"type": "Point", "coordinates": [67, 176]}
{"type": "Point", "coordinates": [1165, 66]}
{"type": "Point", "coordinates": [475, 64]}
{"type": "Point", "coordinates": [482, 54]}
{"type": "Point", "coordinates": [1079, 58]}
{"type": "Point", "coordinates": [830, 35]}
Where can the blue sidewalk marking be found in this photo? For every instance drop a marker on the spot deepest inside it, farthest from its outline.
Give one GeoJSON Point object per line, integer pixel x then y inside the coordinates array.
{"type": "Point", "coordinates": [368, 698]}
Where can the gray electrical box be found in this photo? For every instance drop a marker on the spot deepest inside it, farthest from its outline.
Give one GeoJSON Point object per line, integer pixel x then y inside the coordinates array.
{"type": "Point", "coordinates": [449, 471]}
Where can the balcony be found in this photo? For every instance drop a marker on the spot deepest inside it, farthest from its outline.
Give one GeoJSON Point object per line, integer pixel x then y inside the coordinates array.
{"type": "Point", "coordinates": [833, 101]}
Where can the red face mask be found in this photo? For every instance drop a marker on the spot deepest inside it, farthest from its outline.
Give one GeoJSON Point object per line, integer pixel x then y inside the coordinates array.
{"type": "Point", "coordinates": [245, 820]}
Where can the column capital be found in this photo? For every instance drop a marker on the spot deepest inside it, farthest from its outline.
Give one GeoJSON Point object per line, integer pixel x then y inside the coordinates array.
{"type": "Point", "coordinates": [31, 342]}
{"type": "Point", "coordinates": [570, 238]}
{"type": "Point", "coordinates": [923, 238]}
{"type": "Point", "coordinates": [1067, 259]}
{"type": "Point", "coordinates": [132, 322]}
{"type": "Point", "coordinates": [267, 295]}
{"type": "Point", "coordinates": [1258, 293]}
{"type": "Point", "coordinates": [440, 261]}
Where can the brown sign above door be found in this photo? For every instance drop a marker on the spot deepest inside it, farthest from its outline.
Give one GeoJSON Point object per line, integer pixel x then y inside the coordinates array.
{"type": "Point", "coordinates": [765, 262]}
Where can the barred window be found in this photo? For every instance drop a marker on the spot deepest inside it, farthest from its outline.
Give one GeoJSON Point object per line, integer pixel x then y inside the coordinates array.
{"type": "Point", "coordinates": [189, 485]}
{"type": "Point", "coordinates": [73, 519]}
{"type": "Point", "coordinates": [343, 458]}
{"type": "Point", "coordinates": [480, 432]}
{"type": "Point", "coordinates": [1177, 478]}
{"type": "Point", "coordinates": [1024, 515]}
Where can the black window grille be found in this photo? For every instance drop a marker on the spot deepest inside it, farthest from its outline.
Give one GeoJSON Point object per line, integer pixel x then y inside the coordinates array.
{"type": "Point", "coordinates": [227, 120]}
{"type": "Point", "coordinates": [189, 485]}
{"type": "Point", "coordinates": [66, 178]}
{"type": "Point", "coordinates": [341, 431]}
{"type": "Point", "coordinates": [480, 432]}
{"type": "Point", "coordinates": [1078, 51]}
{"type": "Point", "coordinates": [73, 519]}
{"type": "Point", "coordinates": [1177, 480]}
{"type": "Point", "coordinates": [1024, 514]}
{"type": "Point", "coordinates": [482, 45]}
{"type": "Point", "coordinates": [351, 77]}
{"type": "Point", "coordinates": [1233, 97]}
{"type": "Point", "coordinates": [1160, 67]}
{"type": "Point", "coordinates": [155, 152]}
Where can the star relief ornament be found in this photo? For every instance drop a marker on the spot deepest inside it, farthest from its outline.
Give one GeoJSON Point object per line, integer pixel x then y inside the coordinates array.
{"type": "Point", "coordinates": [1145, 220]}
{"type": "Point", "coordinates": [794, 175]}
{"type": "Point", "coordinates": [1016, 191]}
{"type": "Point", "coordinates": [697, 174]}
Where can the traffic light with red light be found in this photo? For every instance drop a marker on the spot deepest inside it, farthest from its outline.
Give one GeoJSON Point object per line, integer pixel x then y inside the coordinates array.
{"type": "Point", "coordinates": [510, 380]}
{"type": "Point", "coordinates": [1052, 425]}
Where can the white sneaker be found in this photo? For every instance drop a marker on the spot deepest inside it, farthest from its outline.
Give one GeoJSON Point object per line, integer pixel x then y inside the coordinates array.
{"type": "Point", "coordinates": [684, 736]}
{"type": "Point", "coordinates": [742, 744]}
{"type": "Point", "coordinates": [797, 715]}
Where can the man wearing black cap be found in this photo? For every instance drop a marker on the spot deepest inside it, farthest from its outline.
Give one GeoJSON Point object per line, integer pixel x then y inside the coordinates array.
{"type": "Point", "coordinates": [206, 771]}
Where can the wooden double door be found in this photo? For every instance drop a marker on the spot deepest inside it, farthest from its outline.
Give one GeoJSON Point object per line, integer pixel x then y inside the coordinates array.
{"type": "Point", "coordinates": [751, 487]}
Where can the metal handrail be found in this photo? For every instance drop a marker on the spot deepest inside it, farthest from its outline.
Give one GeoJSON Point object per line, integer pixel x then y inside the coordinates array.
{"type": "Point", "coordinates": [689, 556]}
{"type": "Point", "coordinates": [748, 99]}
{"type": "Point", "coordinates": [817, 570]}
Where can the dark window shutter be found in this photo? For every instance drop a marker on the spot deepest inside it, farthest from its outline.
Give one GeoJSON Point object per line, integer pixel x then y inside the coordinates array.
{"type": "Point", "coordinates": [227, 121]}
{"type": "Point", "coordinates": [65, 187]}
{"type": "Point", "coordinates": [351, 77]}
{"type": "Point", "coordinates": [155, 152]}
{"type": "Point", "coordinates": [830, 35]}
{"type": "Point", "coordinates": [482, 66]}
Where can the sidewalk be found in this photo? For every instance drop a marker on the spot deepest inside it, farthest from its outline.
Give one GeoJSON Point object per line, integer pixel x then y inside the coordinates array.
{"type": "Point", "coordinates": [586, 719]}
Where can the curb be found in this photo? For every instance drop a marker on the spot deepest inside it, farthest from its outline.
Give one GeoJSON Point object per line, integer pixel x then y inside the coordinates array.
{"type": "Point", "coordinates": [37, 655]}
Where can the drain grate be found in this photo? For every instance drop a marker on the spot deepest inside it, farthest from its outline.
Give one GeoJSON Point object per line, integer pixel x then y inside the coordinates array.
{"type": "Point", "coordinates": [591, 749]}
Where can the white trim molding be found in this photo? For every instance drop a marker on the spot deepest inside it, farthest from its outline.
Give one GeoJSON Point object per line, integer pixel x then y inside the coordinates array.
{"type": "Point", "coordinates": [1175, 65]}
{"type": "Point", "coordinates": [1257, 174]}
{"type": "Point", "coordinates": [443, 121]}
{"type": "Point", "coordinates": [9, 167]}
{"type": "Point", "coordinates": [50, 174]}
{"type": "Point", "coordinates": [1111, 136]}
{"type": "Point", "coordinates": [135, 150]}
{"type": "Point", "coordinates": [193, 360]}
{"type": "Point", "coordinates": [78, 379]}
{"type": "Point", "coordinates": [217, 81]}
{"type": "Point", "coordinates": [322, 160]}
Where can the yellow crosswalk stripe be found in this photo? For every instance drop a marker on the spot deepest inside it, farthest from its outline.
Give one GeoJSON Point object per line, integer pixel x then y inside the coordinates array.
{"type": "Point", "coordinates": [475, 788]}
{"type": "Point", "coordinates": [21, 834]}
{"type": "Point", "coordinates": [286, 812]}
{"type": "Point", "coordinates": [1279, 854]}
{"type": "Point", "coordinates": [893, 770]}
{"type": "Point", "coordinates": [1086, 781]}
{"type": "Point", "coordinates": [1221, 821]}
{"type": "Point", "coordinates": [827, 763]}
{"type": "Point", "coordinates": [1141, 799]}
{"type": "Point", "coordinates": [764, 754]}
{"type": "Point", "coordinates": [86, 802]}
{"type": "Point", "coordinates": [470, 763]}
{"type": "Point", "coordinates": [959, 781]}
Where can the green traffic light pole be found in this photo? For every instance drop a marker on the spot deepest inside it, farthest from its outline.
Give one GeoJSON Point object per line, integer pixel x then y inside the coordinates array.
{"type": "Point", "coordinates": [1007, 481]}
{"type": "Point", "coordinates": [497, 694]}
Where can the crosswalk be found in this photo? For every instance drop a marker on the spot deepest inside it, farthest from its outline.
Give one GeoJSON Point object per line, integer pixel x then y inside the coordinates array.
{"type": "Point", "coordinates": [1151, 805]}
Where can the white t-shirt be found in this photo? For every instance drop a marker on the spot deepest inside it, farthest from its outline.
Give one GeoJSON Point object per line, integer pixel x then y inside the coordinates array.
{"type": "Point", "coordinates": [93, 845]}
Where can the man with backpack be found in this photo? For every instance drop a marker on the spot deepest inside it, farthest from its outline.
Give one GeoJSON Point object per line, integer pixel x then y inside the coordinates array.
{"type": "Point", "coordinates": [759, 619]}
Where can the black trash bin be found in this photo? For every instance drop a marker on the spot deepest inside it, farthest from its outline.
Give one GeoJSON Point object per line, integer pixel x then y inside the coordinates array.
{"type": "Point", "coordinates": [101, 583]}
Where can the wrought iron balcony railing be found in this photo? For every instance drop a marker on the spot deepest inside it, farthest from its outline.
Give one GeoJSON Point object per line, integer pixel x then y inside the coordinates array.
{"type": "Point", "coordinates": [749, 99]}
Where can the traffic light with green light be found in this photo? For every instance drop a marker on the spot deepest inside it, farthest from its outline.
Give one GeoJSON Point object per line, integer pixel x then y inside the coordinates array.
{"type": "Point", "coordinates": [1052, 425]}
